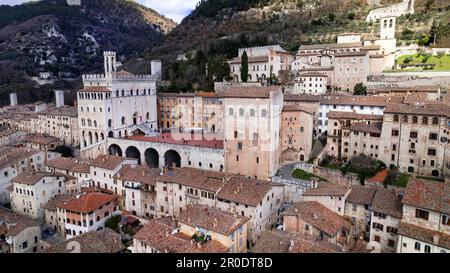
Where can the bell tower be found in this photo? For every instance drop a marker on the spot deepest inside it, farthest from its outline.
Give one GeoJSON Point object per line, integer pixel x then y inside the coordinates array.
{"type": "Point", "coordinates": [387, 30]}
{"type": "Point", "coordinates": [109, 62]}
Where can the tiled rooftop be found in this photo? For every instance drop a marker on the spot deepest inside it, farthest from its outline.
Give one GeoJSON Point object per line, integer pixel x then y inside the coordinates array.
{"type": "Point", "coordinates": [102, 241]}
{"type": "Point", "coordinates": [87, 202]}
{"type": "Point", "coordinates": [212, 219]}
{"type": "Point", "coordinates": [182, 139]}
{"type": "Point", "coordinates": [430, 195]}
{"type": "Point", "coordinates": [319, 216]}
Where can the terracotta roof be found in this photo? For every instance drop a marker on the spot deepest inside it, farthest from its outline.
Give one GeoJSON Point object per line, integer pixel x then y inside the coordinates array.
{"type": "Point", "coordinates": [353, 100]}
{"type": "Point", "coordinates": [10, 155]}
{"type": "Point", "coordinates": [88, 202]}
{"type": "Point", "coordinates": [350, 54]}
{"type": "Point", "coordinates": [103, 89]}
{"type": "Point", "coordinates": [68, 111]}
{"type": "Point", "coordinates": [311, 74]}
{"type": "Point", "coordinates": [330, 46]}
{"type": "Point", "coordinates": [183, 139]}
{"type": "Point", "coordinates": [296, 108]}
{"type": "Point", "coordinates": [102, 241]}
{"type": "Point", "coordinates": [429, 109]}
{"type": "Point", "coordinates": [352, 115]}
{"type": "Point", "coordinates": [301, 97]}
{"type": "Point", "coordinates": [425, 235]}
{"type": "Point", "coordinates": [58, 201]}
{"type": "Point", "coordinates": [327, 189]}
{"type": "Point", "coordinates": [107, 162]}
{"type": "Point", "coordinates": [63, 163]}
{"type": "Point", "coordinates": [41, 139]}
{"type": "Point", "coordinates": [361, 195]}
{"type": "Point", "coordinates": [430, 195]}
{"type": "Point", "coordinates": [319, 216]}
{"type": "Point", "coordinates": [251, 59]}
{"type": "Point", "coordinates": [81, 167]}
{"type": "Point", "coordinates": [138, 174]}
{"type": "Point", "coordinates": [15, 223]}
{"type": "Point", "coordinates": [301, 245]}
{"type": "Point", "coordinates": [393, 89]}
{"type": "Point", "coordinates": [245, 190]}
{"type": "Point", "coordinates": [250, 91]}
{"type": "Point", "coordinates": [158, 235]}
{"type": "Point", "coordinates": [196, 178]}
{"type": "Point", "coordinates": [375, 127]}
{"type": "Point", "coordinates": [31, 177]}
{"type": "Point", "coordinates": [277, 241]}
{"type": "Point", "coordinates": [212, 219]}
{"type": "Point", "coordinates": [387, 201]}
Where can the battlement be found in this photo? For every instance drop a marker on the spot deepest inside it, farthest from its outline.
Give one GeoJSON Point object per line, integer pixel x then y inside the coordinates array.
{"type": "Point", "coordinates": [109, 53]}
{"type": "Point", "coordinates": [93, 77]}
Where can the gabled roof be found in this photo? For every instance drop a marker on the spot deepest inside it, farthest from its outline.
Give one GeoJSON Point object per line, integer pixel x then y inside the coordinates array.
{"type": "Point", "coordinates": [212, 219]}
{"type": "Point", "coordinates": [319, 216]}
{"type": "Point", "coordinates": [430, 195]}
{"type": "Point", "coordinates": [102, 241]}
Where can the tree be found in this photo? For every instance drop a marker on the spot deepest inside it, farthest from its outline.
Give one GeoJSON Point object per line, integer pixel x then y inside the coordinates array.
{"type": "Point", "coordinates": [113, 222]}
{"type": "Point", "coordinates": [244, 69]}
{"type": "Point", "coordinates": [360, 89]}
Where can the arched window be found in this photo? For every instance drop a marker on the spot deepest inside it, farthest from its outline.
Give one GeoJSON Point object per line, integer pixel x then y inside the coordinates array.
{"type": "Point", "coordinates": [435, 121]}
{"type": "Point", "coordinates": [391, 23]}
{"type": "Point", "coordinates": [123, 93]}
{"type": "Point", "coordinates": [252, 112]}
{"type": "Point", "coordinates": [147, 115]}
{"type": "Point", "coordinates": [264, 113]}
{"type": "Point", "coordinates": [427, 249]}
{"type": "Point", "coordinates": [117, 93]}
{"type": "Point", "coordinates": [396, 119]}
{"type": "Point", "coordinates": [95, 123]}
{"type": "Point", "coordinates": [241, 112]}
{"type": "Point", "coordinates": [425, 120]}
{"type": "Point", "coordinates": [109, 123]}
{"type": "Point", "coordinates": [385, 24]}
{"type": "Point", "coordinates": [231, 112]}
{"type": "Point", "coordinates": [417, 246]}
{"type": "Point", "coordinates": [123, 120]}
{"type": "Point", "coordinates": [415, 119]}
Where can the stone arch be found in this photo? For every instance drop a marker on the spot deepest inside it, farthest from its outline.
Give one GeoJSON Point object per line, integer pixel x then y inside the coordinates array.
{"type": "Point", "coordinates": [115, 150]}
{"type": "Point", "coordinates": [435, 173]}
{"type": "Point", "coordinates": [411, 169]}
{"type": "Point", "coordinates": [133, 152]}
{"type": "Point", "coordinates": [111, 134]}
{"type": "Point", "coordinates": [151, 158]}
{"type": "Point", "coordinates": [172, 159]}
{"type": "Point", "coordinates": [96, 137]}
{"type": "Point", "coordinates": [302, 158]}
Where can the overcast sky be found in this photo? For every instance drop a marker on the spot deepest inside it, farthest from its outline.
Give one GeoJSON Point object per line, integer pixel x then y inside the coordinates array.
{"type": "Point", "coordinates": [175, 9]}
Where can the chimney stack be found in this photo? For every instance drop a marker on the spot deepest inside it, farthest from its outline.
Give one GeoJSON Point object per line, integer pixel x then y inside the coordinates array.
{"type": "Point", "coordinates": [59, 97]}
{"type": "Point", "coordinates": [13, 99]}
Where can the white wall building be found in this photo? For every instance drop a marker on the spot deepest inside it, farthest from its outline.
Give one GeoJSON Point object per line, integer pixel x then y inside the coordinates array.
{"type": "Point", "coordinates": [116, 104]}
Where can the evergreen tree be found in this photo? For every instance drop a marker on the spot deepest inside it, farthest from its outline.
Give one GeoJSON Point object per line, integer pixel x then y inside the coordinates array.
{"type": "Point", "coordinates": [244, 69]}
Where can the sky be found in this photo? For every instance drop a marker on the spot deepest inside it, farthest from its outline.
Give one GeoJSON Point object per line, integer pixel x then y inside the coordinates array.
{"type": "Point", "coordinates": [174, 9]}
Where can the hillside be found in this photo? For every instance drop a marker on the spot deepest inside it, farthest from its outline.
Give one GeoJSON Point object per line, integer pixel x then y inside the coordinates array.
{"type": "Point", "coordinates": [220, 27]}
{"type": "Point", "coordinates": [50, 35]}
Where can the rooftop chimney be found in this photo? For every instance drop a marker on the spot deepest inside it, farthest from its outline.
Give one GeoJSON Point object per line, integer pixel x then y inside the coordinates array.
{"type": "Point", "coordinates": [13, 99]}
{"type": "Point", "coordinates": [59, 97]}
